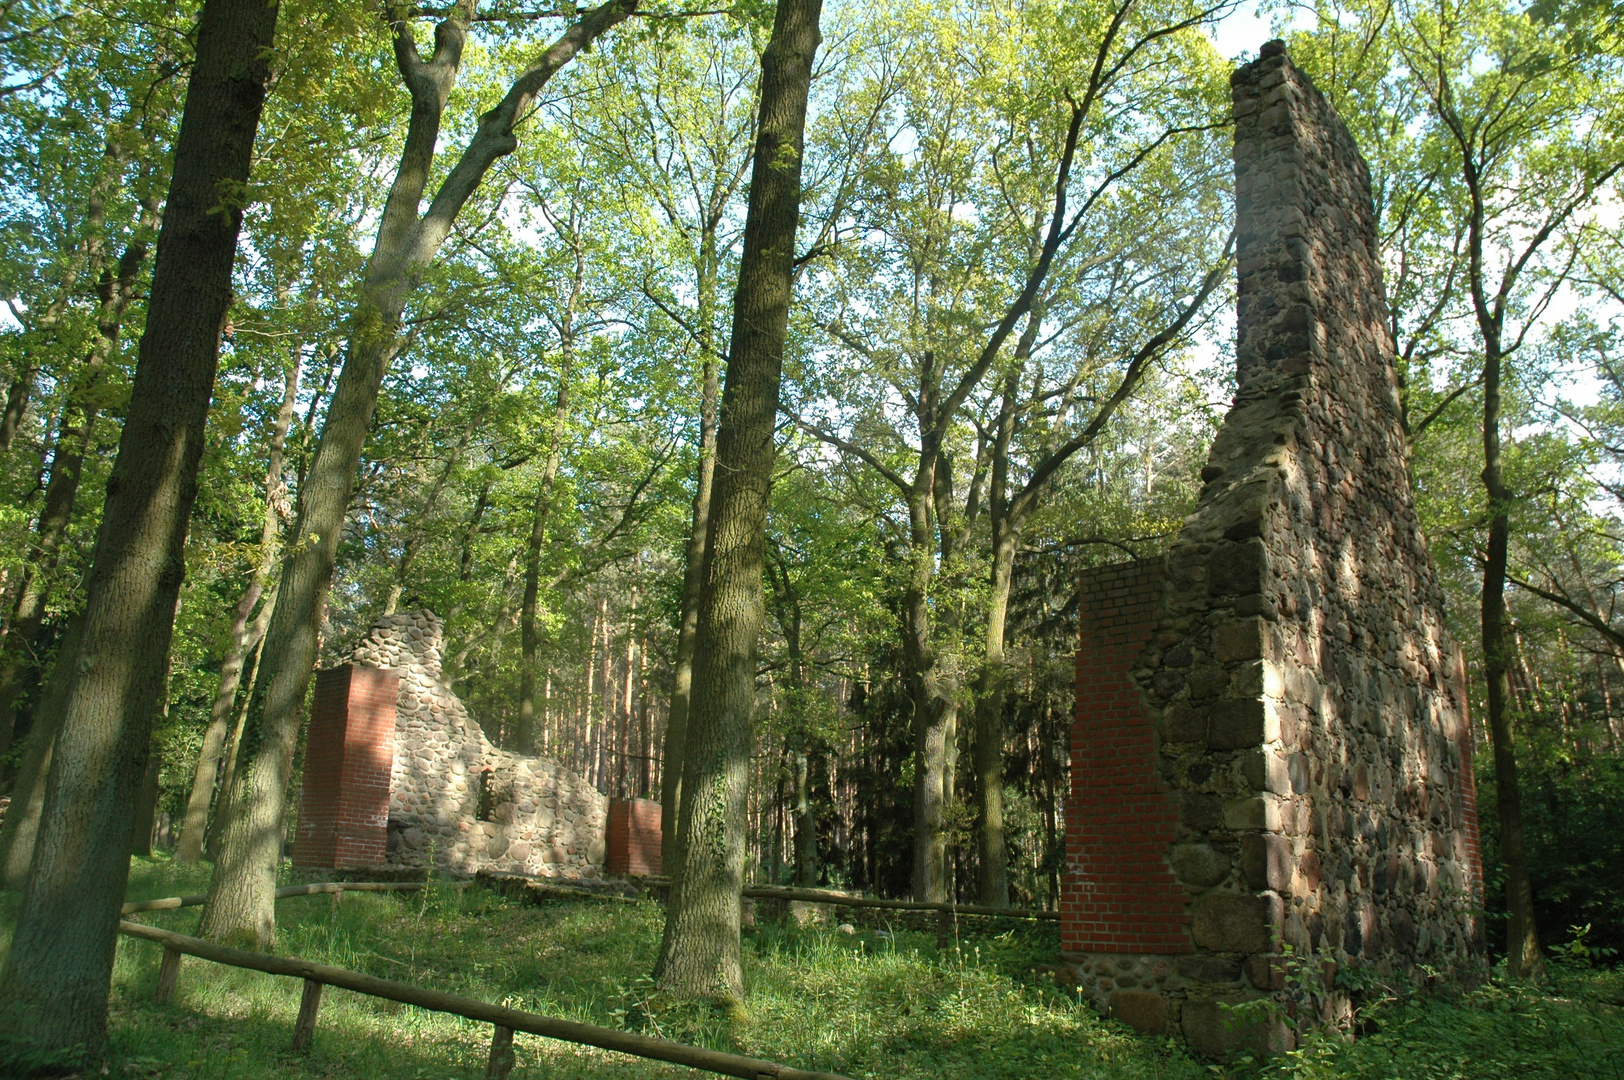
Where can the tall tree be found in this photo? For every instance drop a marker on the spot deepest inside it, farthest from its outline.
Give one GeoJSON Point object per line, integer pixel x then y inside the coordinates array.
{"type": "Point", "coordinates": [245, 635]}
{"type": "Point", "coordinates": [972, 233]}
{"type": "Point", "coordinates": [699, 953]}
{"type": "Point", "coordinates": [56, 979]}
{"type": "Point", "coordinates": [239, 907]}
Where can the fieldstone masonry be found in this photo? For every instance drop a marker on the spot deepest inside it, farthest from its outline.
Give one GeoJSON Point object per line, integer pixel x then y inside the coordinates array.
{"type": "Point", "coordinates": [454, 798]}
{"type": "Point", "coordinates": [1295, 751]}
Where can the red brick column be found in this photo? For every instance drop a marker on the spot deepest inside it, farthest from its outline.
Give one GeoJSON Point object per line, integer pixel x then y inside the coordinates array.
{"type": "Point", "coordinates": [349, 756]}
{"type": "Point", "coordinates": [1120, 896]}
{"type": "Point", "coordinates": [633, 839]}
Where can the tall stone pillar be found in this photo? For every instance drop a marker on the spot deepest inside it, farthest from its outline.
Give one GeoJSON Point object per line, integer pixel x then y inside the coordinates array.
{"type": "Point", "coordinates": [1301, 706]}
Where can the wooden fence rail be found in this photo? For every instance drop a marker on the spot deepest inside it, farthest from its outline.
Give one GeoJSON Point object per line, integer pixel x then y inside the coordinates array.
{"type": "Point", "coordinates": [824, 896]}
{"type": "Point", "coordinates": [334, 887]}
{"type": "Point", "coordinates": [505, 1021]}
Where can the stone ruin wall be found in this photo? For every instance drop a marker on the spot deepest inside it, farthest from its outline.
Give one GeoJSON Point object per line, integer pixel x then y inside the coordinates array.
{"type": "Point", "coordinates": [544, 819]}
{"type": "Point", "coordinates": [1305, 707]}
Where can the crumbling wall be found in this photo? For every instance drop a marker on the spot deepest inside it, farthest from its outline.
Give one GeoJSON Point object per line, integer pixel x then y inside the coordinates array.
{"type": "Point", "coordinates": [538, 816]}
{"type": "Point", "coordinates": [1307, 707]}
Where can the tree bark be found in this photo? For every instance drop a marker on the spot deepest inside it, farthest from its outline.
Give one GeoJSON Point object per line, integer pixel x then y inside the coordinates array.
{"type": "Point", "coordinates": [21, 825]}
{"type": "Point", "coordinates": [239, 908]}
{"type": "Point", "coordinates": [699, 954]}
{"type": "Point", "coordinates": [992, 871]}
{"type": "Point", "coordinates": [524, 733]}
{"type": "Point", "coordinates": [682, 677]}
{"type": "Point", "coordinates": [115, 289]}
{"type": "Point", "coordinates": [230, 757]}
{"type": "Point", "coordinates": [1523, 956]}
{"type": "Point", "coordinates": [57, 974]}
{"type": "Point", "coordinates": [146, 809]}
{"type": "Point", "coordinates": [243, 637]}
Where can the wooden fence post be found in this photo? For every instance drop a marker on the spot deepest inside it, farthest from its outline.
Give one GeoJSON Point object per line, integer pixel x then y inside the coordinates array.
{"type": "Point", "coordinates": [168, 972]}
{"type": "Point", "coordinates": [305, 1028]}
{"type": "Point", "coordinates": [501, 1062]}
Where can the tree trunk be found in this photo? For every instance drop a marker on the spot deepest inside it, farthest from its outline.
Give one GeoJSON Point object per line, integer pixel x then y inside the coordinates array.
{"type": "Point", "coordinates": [931, 698]}
{"type": "Point", "coordinates": [243, 639]}
{"type": "Point", "coordinates": [228, 770]}
{"type": "Point", "coordinates": [239, 908]}
{"type": "Point", "coordinates": [699, 954]}
{"type": "Point", "coordinates": [1523, 956]}
{"type": "Point", "coordinates": [682, 676]}
{"type": "Point", "coordinates": [992, 870]}
{"type": "Point", "coordinates": [56, 977]}
{"type": "Point", "coordinates": [18, 395]}
{"type": "Point", "coordinates": [524, 735]}
{"type": "Point", "coordinates": [21, 826]}
{"type": "Point", "coordinates": [19, 656]}
{"type": "Point", "coordinates": [146, 809]}
{"type": "Point", "coordinates": [992, 881]}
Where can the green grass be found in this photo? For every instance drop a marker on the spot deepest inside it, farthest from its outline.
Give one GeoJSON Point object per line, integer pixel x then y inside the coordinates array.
{"type": "Point", "coordinates": [870, 1005]}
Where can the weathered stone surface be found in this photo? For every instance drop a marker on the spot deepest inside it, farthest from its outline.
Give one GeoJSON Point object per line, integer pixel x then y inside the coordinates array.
{"type": "Point", "coordinates": [1206, 968]}
{"type": "Point", "coordinates": [1236, 723]}
{"type": "Point", "coordinates": [1199, 864]}
{"type": "Point", "coordinates": [1267, 862]}
{"type": "Point", "coordinates": [544, 818]}
{"type": "Point", "coordinates": [1219, 1032]}
{"type": "Point", "coordinates": [1308, 702]}
{"type": "Point", "coordinates": [1235, 922]}
{"type": "Point", "coordinates": [1143, 1010]}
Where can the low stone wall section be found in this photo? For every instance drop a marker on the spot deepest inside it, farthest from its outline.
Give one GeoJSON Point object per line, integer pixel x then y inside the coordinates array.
{"type": "Point", "coordinates": [458, 801]}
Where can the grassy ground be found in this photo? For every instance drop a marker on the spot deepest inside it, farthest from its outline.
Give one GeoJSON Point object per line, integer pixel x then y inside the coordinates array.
{"type": "Point", "coordinates": [870, 1005]}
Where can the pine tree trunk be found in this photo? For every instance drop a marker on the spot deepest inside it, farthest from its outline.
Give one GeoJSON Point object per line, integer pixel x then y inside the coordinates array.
{"type": "Point", "coordinates": [699, 954]}
{"type": "Point", "coordinates": [56, 978]}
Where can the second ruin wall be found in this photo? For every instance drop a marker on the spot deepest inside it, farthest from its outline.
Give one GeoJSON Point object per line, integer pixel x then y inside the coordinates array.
{"type": "Point", "coordinates": [1278, 706]}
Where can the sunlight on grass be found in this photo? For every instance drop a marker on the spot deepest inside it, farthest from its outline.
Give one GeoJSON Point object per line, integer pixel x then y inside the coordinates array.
{"type": "Point", "coordinates": [882, 1002]}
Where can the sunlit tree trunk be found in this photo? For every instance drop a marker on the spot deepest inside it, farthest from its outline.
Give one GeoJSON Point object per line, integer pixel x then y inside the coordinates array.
{"type": "Point", "coordinates": [239, 907]}
{"type": "Point", "coordinates": [682, 677]}
{"type": "Point", "coordinates": [244, 638]}
{"type": "Point", "coordinates": [699, 954]}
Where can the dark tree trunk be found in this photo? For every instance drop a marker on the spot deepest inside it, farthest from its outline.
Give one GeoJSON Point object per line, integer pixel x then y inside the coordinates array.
{"type": "Point", "coordinates": [57, 974]}
{"type": "Point", "coordinates": [1523, 955]}
{"type": "Point", "coordinates": [699, 954]}
{"type": "Point", "coordinates": [682, 676]}
{"type": "Point", "coordinates": [524, 732]}
{"type": "Point", "coordinates": [19, 655]}
{"type": "Point", "coordinates": [146, 809]}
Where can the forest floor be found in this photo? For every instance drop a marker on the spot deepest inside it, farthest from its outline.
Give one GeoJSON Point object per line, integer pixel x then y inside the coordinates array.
{"type": "Point", "coordinates": [872, 1004]}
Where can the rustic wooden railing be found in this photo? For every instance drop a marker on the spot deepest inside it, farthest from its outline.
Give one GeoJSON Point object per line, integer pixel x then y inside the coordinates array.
{"type": "Point", "coordinates": [334, 887]}
{"type": "Point", "coordinates": [825, 896]}
{"type": "Point", "coordinates": [505, 1021]}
